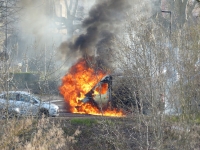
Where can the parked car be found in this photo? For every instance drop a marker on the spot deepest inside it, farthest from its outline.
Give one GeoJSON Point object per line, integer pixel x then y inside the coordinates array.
{"type": "Point", "coordinates": [23, 103]}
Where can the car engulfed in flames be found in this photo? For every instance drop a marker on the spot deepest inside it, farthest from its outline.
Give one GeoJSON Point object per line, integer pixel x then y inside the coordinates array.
{"type": "Point", "coordinates": [86, 91]}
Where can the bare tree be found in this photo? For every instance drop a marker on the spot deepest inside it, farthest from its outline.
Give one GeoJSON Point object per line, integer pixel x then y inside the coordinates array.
{"type": "Point", "coordinates": [71, 16]}
{"type": "Point", "coordinates": [161, 71]}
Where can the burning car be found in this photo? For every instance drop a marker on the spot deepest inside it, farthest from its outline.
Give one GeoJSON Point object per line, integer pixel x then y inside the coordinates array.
{"type": "Point", "coordinates": [84, 90]}
{"type": "Point", "coordinates": [23, 103]}
{"type": "Point", "coordinates": [103, 91]}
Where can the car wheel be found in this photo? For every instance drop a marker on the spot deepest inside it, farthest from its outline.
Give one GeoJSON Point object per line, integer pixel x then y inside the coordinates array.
{"type": "Point", "coordinates": [44, 112]}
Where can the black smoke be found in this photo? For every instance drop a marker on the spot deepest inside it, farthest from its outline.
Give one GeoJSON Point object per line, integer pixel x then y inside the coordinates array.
{"type": "Point", "coordinates": [101, 26]}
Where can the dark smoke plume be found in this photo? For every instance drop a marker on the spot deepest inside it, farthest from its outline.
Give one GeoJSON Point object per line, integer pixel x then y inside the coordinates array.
{"type": "Point", "coordinates": [100, 27]}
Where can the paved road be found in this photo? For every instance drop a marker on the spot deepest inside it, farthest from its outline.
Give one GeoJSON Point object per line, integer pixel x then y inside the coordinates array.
{"type": "Point", "coordinates": [59, 101]}
{"type": "Point", "coordinates": [64, 113]}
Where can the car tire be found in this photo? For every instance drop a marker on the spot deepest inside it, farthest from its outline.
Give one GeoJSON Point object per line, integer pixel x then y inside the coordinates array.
{"type": "Point", "coordinates": [44, 112]}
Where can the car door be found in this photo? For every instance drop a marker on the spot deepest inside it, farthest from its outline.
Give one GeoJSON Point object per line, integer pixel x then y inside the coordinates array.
{"type": "Point", "coordinates": [28, 101]}
{"type": "Point", "coordinates": [20, 103]}
{"type": "Point", "coordinates": [35, 105]}
{"type": "Point", "coordinates": [11, 97]}
{"type": "Point", "coordinates": [7, 101]}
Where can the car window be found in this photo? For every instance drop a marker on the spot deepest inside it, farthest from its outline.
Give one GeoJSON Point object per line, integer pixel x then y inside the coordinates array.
{"type": "Point", "coordinates": [10, 96]}
{"type": "Point", "coordinates": [28, 99]}
{"type": "Point", "coordinates": [34, 101]}
{"type": "Point", "coordinates": [2, 96]}
{"type": "Point", "coordinates": [36, 98]}
{"type": "Point", "coordinates": [20, 97]}
{"type": "Point", "coordinates": [17, 97]}
{"type": "Point", "coordinates": [25, 98]}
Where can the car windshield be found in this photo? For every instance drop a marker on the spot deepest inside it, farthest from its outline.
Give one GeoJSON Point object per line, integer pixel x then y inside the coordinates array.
{"type": "Point", "coordinates": [37, 98]}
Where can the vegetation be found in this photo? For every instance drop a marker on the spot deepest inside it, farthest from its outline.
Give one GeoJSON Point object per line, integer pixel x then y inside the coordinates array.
{"type": "Point", "coordinates": [155, 62]}
{"type": "Point", "coordinates": [28, 133]}
{"type": "Point", "coordinates": [87, 122]}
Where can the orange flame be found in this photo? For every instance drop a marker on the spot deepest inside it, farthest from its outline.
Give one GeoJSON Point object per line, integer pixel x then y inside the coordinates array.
{"type": "Point", "coordinates": [78, 82]}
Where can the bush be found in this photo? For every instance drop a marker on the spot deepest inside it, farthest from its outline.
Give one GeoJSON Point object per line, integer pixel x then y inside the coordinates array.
{"type": "Point", "coordinates": [30, 134]}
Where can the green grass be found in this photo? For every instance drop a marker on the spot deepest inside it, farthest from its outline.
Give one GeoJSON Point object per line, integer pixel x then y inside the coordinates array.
{"type": "Point", "coordinates": [192, 118]}
{"type": "Point", "coordinates": [197, 119]}
{"type": "Point", "coordinates": [85, 121]}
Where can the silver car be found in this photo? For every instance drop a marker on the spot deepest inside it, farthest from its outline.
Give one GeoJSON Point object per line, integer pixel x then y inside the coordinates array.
{"type": "Point", "coordinates": [23, 103]}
